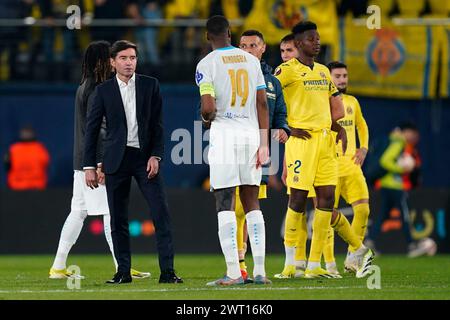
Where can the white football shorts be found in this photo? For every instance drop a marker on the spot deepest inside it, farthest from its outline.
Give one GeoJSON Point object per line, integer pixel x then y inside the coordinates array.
{"type": "Point", "coordinates": [95, 201]}
{"type": "Point", "coordinates": [232, 159]}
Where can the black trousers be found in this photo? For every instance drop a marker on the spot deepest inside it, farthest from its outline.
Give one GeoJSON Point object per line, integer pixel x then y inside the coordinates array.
{"type": "Point", "coordinates": [392, 198]}
{"type": "Point", "coordinates": [118, 189]}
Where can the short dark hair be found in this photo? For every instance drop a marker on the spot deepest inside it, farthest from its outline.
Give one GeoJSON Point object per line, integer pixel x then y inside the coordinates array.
{"type": "Point", "coordinates": [251, 32]}
{"type": "Point", "coordinates": [336, 65]}
{"type": "Point", "coordinates": [303, 26]}
{"type": "Point", "coordinates": [287, 38]}
{"type": "Point", "coordinates": [122, 45]}
{"type": "Point", "coordinates": [217, 25]}
{"type": "Point", "coordinates": [408, 125]}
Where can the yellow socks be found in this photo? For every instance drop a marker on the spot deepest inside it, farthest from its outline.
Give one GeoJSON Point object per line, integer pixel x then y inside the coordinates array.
{"type": "Point", "coordinates": [292, 227]}
{"type": "Point", "coordinates": [321, 224]}
{"type": "Point", "coordinates": [240, 219]}
{"type": "Point", "coordinates": [342, 227]}
{"type": "Point", "coordinates": [291, 234]}
{"type": "Point", "coordinates": [359, 223]}
{"type": "Point", "coordinates": [300, 251]}
{"type": "Point", "coordinates": [328, 249]}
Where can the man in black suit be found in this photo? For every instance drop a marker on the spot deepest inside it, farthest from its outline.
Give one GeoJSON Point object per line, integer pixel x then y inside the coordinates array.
{"type": "Point", "coordinates": [133, 147]}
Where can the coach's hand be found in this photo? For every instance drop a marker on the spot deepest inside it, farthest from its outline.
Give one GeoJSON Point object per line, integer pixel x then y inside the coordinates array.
{"type": "Point", "coordinates": [91, 178]}
{"type": "Point", "coordinates": [152, 167]}
{"type": "Point", "coordinates": [263, 156]}
{"type": "Point", "coordinates": [360, 156]}
{"type": "Point", "coordinates": [342, 136]}
{"type": "Point", "coordinates": [280, 135]}
{"type": "Point", "coordinates": [100, 175]}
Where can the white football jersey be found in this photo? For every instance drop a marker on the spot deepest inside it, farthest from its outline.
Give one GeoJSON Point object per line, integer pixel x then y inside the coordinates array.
{"type": "Point", "coordinates": [236, 76]}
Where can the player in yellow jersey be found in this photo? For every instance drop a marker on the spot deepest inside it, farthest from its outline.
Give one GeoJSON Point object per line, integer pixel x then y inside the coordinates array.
{"type": "Point", "coordinates": [351, 185]}
{"type": "Point", "coordinates": [311, 99]}
{"type": "Point", "coordinates": [288, 51]}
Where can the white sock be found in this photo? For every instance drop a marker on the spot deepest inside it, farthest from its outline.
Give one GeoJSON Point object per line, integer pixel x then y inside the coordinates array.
{"type": "Point", "coordinates": [329, 265]}
{"type": "Point", "coordinates": [300, 264]}
{"type": "Point", "coordinates": [290, 256]}
{"type": "Point", "coordinates": [361, 250]}
{"type": "Point", "coordinates": [107, 229]}
{"type": "Point", "coordinates": [313, 265]}
{"type": "Point", "coordinates": [69, 235]}
{"type": "Point", "coordinates": [257, 235]}
{"type": "Point", "coordinates": [228, 242]}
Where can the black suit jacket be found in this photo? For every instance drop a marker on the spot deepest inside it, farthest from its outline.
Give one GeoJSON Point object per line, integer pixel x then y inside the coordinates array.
{"type": "Point", "coordinates": [107, 102]}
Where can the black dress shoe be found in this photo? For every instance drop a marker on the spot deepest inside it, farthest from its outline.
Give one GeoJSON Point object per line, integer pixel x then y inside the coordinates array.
{"type": "Point", "coordinates": [119, 278]}
{"type": "Point", "coordinates": [169, 277]}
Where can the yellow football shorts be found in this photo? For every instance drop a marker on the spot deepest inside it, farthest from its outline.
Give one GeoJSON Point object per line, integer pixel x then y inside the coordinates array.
{"type": "Point", "coordinates": [262, 192]}
{"type": "Point", "coordinates": [352, 188]}
{"type": "Point", "coordinates": [311, 162]}
{"type": "Point", "coordinates": [311, 192]}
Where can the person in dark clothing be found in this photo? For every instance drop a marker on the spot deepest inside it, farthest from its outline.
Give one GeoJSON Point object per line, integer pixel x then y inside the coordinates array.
{"type": "Point", "coordinates": [252, 41]}
{"type": "Point", "coordinates": [108, 9]}
{"type": "Point", "coordinates": [400, 162]}
{"type": "Point", "coordinates": [13, 35]}
{"type": "Point", "coordinates": [133, 147]}
{"type": "Point", "coordinates": [96, 69]}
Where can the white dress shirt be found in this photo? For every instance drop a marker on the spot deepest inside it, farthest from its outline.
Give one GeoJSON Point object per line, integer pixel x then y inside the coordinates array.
{"type": "Point", "coordinates": [128, 93]}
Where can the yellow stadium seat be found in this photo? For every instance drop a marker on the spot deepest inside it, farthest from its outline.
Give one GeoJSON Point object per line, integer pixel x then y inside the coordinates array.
{"type": "Point", "coordinates": [439, 8]}
{"type": "Point", "coordinates": [385, 6]}
{"type": "Point", "coordinates": [410, 9]}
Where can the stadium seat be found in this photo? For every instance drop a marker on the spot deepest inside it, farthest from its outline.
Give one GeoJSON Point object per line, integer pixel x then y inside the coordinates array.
{"type": "Point", "coordinates": [439, 8]}
{"type": "Point", "coordinates": [410, 9]}
{"type": "Point", "coordinates": [385, 6]}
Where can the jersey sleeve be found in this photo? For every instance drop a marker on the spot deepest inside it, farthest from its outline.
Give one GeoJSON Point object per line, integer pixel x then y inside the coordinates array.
{"type": "Point", "coordinates": [389, 158]}
{"type": "Point", "coordinates": [361, 126]}
{"type": "Point", "coordinates": [203, 78]}
{"type": "Point", "coordinates": [260, 82]}
{"type": "Point", "coordinates": [332, 90]}
{"type": "Point", "coordinates": [283, 75]}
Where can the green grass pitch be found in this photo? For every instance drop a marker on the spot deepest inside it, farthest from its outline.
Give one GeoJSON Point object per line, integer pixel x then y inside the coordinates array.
{"type": "Point", "coordinates": [26, 277]}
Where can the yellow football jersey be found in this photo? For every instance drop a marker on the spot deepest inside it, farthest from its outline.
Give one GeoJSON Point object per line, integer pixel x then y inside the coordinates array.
{"type": "Point", "coordinates": [307, 94]}
{"type": "Point", "coordinates": [352, 120]}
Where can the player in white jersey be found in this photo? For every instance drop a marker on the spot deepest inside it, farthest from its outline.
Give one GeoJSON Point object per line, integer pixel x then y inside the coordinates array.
{"type": "Point", "coordinates": [233, 103]}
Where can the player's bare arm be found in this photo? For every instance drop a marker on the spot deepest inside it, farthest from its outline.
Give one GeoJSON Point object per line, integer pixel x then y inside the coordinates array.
{"type": "Point", "coordinates": [300, 133]}
{"type": "Point", "coordinates": [341, 135]}
{"type": "Point", "coordinates": [263, 120]}
{"type": "Point", "coordinates": [337, 108]}
{"type": "Point", "coordinates": [284, 173]}
{"type": "Point", "coordinates": [208, 109]}
{"type": "Point", "coordinates": [360, 156]}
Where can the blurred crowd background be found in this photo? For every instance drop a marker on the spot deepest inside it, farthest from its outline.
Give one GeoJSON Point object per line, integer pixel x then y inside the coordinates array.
{"type": "Point", "coordinates": [39, 47]}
